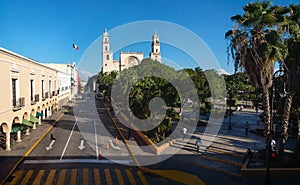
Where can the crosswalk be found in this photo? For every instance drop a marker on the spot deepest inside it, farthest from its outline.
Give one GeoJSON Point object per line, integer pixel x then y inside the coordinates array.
{"type": "Point", "coordinates": [74, 176]}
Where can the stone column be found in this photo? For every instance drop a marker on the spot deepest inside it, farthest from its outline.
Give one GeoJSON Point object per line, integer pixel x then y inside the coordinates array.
{"type": "Point", "coordinates": [40, 120]}
{"type": "Point", "coordinates": [27, 132]}
{"type": "Point", "coordinates": [19, 136]}
{"type": "Point", "coordinates": [8, 141]}
{"type": "Point", "coordinates": [34, 125]}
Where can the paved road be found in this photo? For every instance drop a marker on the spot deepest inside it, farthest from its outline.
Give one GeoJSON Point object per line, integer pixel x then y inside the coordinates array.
{"type": "Point", "coordinates": [80, 150]}
{"type": "Point", "coordinates": [74, 157]}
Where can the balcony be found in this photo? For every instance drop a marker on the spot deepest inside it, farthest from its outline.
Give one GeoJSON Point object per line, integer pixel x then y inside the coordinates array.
{"type": "Point", "coordinates": [46, 95]}
{"type": "Point", "coordinates": [35, 99]}
{"type": "Point", "coordinates": [18, 104]}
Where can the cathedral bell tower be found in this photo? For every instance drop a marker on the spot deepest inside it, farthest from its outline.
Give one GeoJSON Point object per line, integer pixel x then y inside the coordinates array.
{"type": "Point", "coordinates": [107, 59]}
{"type": "Point", "coordinates": [155, 52]}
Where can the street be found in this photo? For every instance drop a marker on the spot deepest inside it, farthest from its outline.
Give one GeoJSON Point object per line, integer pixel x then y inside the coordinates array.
{"type": "Point", "coordinates": [84, 147]}
{"type": "Point", "coordinates": [73, 153]}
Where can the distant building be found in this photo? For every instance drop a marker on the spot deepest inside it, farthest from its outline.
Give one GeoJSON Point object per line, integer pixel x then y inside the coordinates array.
{"type": "Point", "coordinates": [73, 83]}
{"type": "Point", "coordinates": [127, 59]}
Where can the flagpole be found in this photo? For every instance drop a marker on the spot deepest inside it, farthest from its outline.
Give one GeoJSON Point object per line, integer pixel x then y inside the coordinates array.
{"type": "Point", "coordinates": [72, 55]}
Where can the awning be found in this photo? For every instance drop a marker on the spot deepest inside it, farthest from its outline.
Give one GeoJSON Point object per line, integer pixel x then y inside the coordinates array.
{"type": "Point", "coordinates": [27, 123]}
{"type": "Point", "coordinates": [38, 114]}
{"type": "Point", "coordinates": [33, 119]}
{"type": "Point", "coordinates": [17, 127]}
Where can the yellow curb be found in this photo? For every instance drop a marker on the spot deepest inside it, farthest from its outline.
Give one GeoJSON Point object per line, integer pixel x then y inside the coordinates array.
{"type": "Point", "coordinates": [122, 136]}
{"type": "Point", "coordinates": [218, 170]}
{"type": "Point", "coordinates": [258, 171]}
{"type": "Point", "coordinates": [32, 148]}
{"type": "Point", "coordinates": [176, 175]}
{"type": "Point", "coordinates": [221, 160]}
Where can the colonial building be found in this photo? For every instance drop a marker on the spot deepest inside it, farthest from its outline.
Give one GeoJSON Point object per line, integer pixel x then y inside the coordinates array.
{"type": "Point", "coordinates": [126, 59]}
{"type": "Point", "coordinates": [28, 94]}
{"type": "Point", "coordinates": [68, 81]}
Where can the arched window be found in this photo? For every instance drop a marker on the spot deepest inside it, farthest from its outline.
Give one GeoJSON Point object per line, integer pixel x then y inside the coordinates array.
{"type": "Point", "coordinates": [156, 50]}
{"type": "Point", "coordinates": [107, 57]}
{"type": "Point", "coordinates": [105, 48]}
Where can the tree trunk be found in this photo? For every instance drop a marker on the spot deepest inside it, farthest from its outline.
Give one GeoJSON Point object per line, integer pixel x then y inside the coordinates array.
{"type": "Point", "coordinates": [285, 123]}
{"type": "Point", "coordinates": [297, 148]}
{"type": "Point", "coordinates": [266, 108]}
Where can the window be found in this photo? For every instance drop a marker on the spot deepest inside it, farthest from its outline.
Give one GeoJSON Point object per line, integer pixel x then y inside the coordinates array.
{"type": "Point", "coordinates": [50, 87]}
{"type": "Point", "coordinates": [43, 96]}
{"type": "Point", "coordinates": [105, 64]}
{"type": "Point", "coordinates": [107, 57]}
{"type": "Point", "coordinates": [156, 50]}
{"type": "Point", "coordinates": [105, 48]}
{"type": "Point", "coordinates": [14, 91]}
{"type": "Point", "coordinates": [105, 39]}
{"type": "Point", "coordinates": [31, 91]}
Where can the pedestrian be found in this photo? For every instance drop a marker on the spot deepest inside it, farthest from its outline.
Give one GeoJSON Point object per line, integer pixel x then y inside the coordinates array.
{"type": "Point", "coordinates": [273, 144]}
{"type": "Point", "coordinates": [198, 144]}
{"type": "Point", "coordinates": [249, 153]}
{"type": "Point", "coordinates": [246, 128]}
{"type": "Point", "coordinates": [184, 130]}
{"type": "Point", "coordinates": [256, 110]}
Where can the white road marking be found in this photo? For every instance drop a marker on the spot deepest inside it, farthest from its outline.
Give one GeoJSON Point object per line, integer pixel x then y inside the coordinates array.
{"type": "Point", "coordinates": [51, 161]}
{"type": "Point", "coordinates": [96, 140]}
{"type": "Point", "coordinates": [51, 145]}
{"type": "Point", "coordinates": [113, 146]}
{"type": "Point", "coordinates": [81, 146]}
{"type": "Point", "coordinates": [63, 153]}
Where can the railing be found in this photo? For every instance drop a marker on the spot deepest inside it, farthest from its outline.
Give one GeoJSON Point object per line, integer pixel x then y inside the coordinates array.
{"type": "Point", "coordinates": [18, 103]}
{"type": "Point", "coordinates": [45, 96]}
{"type": "Point", "coordinates": [37, 98]}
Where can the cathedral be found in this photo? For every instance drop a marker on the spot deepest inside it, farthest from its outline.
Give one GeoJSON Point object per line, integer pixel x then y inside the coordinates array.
{"type": "Point", "coordinates": [127, 59]}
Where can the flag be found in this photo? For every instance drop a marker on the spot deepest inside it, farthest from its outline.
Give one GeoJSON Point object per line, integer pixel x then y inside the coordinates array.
{"type": "Point", "coordinates": [75, 46]}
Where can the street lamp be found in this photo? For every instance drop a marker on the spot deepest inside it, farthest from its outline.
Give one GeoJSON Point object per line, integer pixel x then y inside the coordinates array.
{"type": "Point", "coordinates": [230, 102]}
{"type": "Point", "coordinates": [271, 134]}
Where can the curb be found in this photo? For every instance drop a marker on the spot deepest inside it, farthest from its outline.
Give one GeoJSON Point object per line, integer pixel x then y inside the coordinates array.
{"type": "Point", "coordinates": [173, 175]}
{"type": "Point", "coordinates": [260, 171]}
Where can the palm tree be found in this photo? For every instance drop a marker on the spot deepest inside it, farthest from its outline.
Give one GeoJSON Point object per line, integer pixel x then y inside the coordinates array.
{"type": "Point", "coordinates": [255, 45]}
{"type": "Point", "coordinates": [292, 68]}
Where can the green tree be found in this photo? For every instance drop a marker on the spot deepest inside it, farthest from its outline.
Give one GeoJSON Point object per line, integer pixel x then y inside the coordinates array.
{"type": "Point", "coordinates": [106, 81]}
{"type": "Point", "coordinates": [291, 66]}
{"type": "Point", "coordinates": [255, 45]}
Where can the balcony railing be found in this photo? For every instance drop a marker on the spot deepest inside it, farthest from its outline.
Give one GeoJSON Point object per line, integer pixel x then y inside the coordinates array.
{"type": "Point", "coordinates": [35, 99]}
{"type": "Point", "coordinates": [18, 103]}
{"type": "Point", "coordinates": [45, 96]}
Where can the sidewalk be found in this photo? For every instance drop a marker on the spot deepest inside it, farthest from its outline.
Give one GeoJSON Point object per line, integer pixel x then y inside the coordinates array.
{"type": "Point", "coordinates": [11, 159]}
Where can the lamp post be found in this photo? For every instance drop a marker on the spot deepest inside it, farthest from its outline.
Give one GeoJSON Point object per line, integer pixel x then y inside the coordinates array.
{"type": "Point", "coordinates": [230, 103]}
{"type": "Point", "coordinates": [271, 134]}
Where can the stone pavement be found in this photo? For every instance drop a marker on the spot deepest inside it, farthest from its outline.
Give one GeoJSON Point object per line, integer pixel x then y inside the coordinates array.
{"type": "Point", "coordinates": [225, 151]}
{"type": "Point", "coordinates": [10, 159]}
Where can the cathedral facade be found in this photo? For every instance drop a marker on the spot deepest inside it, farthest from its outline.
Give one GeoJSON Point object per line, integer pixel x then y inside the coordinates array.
{"type": "Point", "coordinates": [126, 59]}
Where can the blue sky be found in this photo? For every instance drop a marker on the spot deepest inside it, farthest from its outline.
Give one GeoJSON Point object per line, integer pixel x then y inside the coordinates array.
{"type": "Point", "coordinates": [45, 30]}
